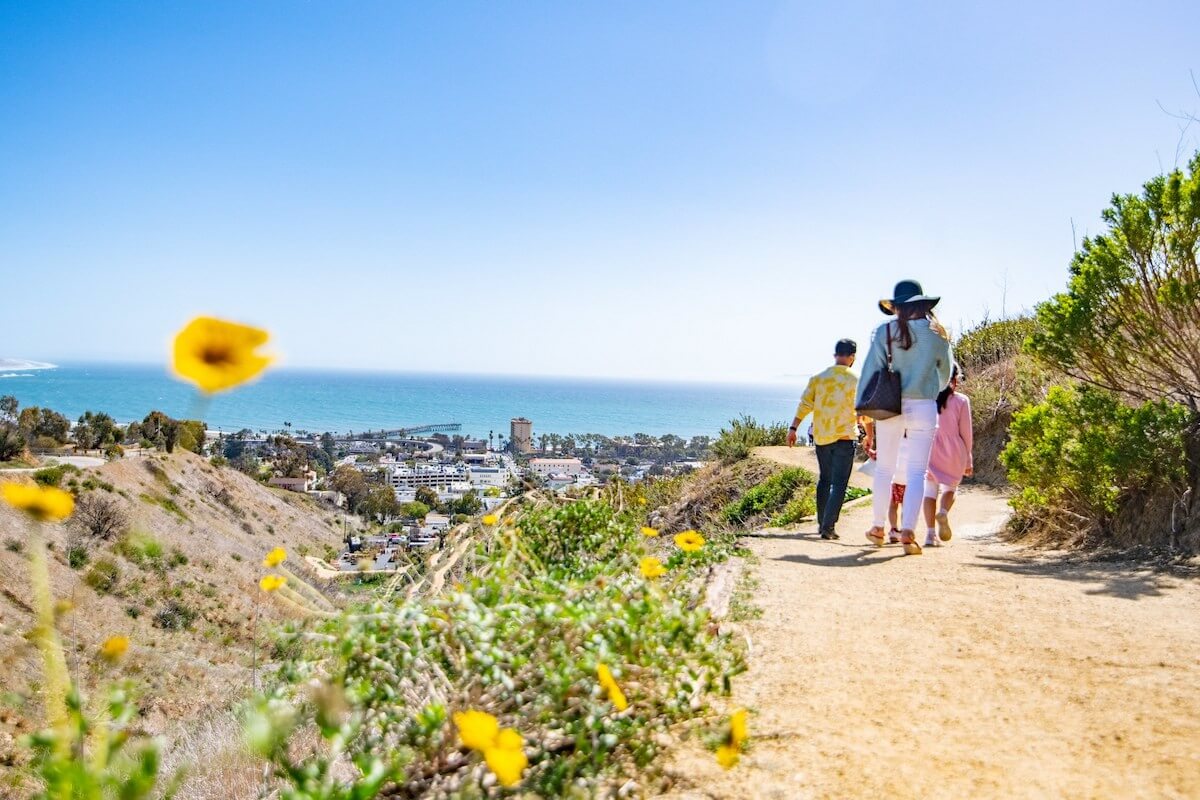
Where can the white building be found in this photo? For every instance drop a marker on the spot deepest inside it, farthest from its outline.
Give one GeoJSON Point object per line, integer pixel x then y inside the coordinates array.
{"type": "Point", "coordinates": [484, 477]}
{"type": "Point", "coordinates": [551, 466]}
{"type": "Point", "coordinates": [433, 476]}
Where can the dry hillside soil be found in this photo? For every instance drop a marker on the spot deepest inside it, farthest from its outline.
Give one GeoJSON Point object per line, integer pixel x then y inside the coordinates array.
{"type": "Point", "coordinates": [217, 520]}
{"type": "Point", "coordinates": [975, 670]}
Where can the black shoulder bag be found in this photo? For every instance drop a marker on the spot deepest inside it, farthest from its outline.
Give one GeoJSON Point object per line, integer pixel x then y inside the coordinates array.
{"type": "Point", "coordinates": [881, 397]}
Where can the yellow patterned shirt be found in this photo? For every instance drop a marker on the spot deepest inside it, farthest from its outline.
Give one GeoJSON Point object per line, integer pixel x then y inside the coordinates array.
{"type": "Point", "coordinates": [830, 397]}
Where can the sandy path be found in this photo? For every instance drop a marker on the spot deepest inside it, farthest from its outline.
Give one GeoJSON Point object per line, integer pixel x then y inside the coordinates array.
{"type": "Point", "coordinates": [975, 670]}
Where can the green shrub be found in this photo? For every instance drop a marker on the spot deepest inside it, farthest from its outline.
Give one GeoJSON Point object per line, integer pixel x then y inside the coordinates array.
{"type": "Point", "coordinates": [743, 435]}
{"type": "Point", "coordinates": [142, 549]}
{"type": "Point", "coordinates": [103, 575]}
{"type": "Point", "coordinates": [546, 600]}
{"type": "Point", "coordinates": [77, 556]}
{"type": "Point", "coordinates": [52, 476]}
{"type": "Point", "coordinates": [772, 495]}
{"type": "Point", "coordinates": [992, 342]}
{"type": "Point", "coordinates": [174, 615]}
{"type": "Point", "coordinates": [1082, 452]}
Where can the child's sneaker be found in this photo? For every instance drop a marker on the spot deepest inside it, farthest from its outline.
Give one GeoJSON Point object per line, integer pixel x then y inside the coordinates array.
{"type": "Point", "coordinates": [931, 540]}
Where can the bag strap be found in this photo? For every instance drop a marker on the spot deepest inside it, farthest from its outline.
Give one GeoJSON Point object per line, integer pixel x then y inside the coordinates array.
{"type": "Point", "coordinates": [889, 347]}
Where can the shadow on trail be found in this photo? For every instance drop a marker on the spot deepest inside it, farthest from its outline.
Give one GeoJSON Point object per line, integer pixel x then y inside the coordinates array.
{"type": "Point", "coordinates": [860, 557]}
{"type": "Point", "coordinates": [1127, 580]}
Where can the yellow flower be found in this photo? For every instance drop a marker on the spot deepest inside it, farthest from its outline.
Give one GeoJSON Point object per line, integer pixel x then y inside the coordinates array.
{"type": "Point", "coordinates": [275, 557]}
{"type": "Point", "coordinates": [270, 583]}
{"type": "Point", "coordinates": [651, 567]}
{"type": "Point", "coordinates": [43, 503]}
{"type": "Point", "coordinates": [476, 729]}
{"type": "Point", "coordinates": [641, 501]}
{"type": "Point", "coordinates": [615, 695]}
{"type": "Point", "coordinates": [649, 532]}
{"type": "Point", "coordinates": [689, 541]}
{"type": "Point", "coordinates": [727, 756]}
{"type": "Point", "coordinates": [490, 519]}
{"type": "Point", "coordinates": [217, 355]}
{"type": "Point", "coordinates": [738, 730]}
{"type": "Point", "coordinates": [114, 647]}
{"type": "Point", "coordinates": [507, 757]}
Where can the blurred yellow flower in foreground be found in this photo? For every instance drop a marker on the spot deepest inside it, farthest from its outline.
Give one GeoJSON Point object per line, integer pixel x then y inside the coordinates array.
{"type": "Point", "coordinates": [476, 729]}
{"type": "Point", "coordinates": [503, 750]}
{"type": "Point", "coordinates": [615, 695]}
{"type": "Point", "coordinates": [490, 519]}
{"type": "Point", "coordinates": [43, 503]}
{"type": "Point", "coordinates": [114, 647]}
{"type": "Point", "coordinates": [728, 753]}
{"type": "Point", "coordinates": [271, 583]}
{"type": "Point", "coordinates": [651, 567]}
{"type": "Point", "coordinates": [689, 541]}
{"type": "Point", "coordinates": [738, 729]}
{"type": "Point", "coordinates": [217, 355]}
{"type": "Point", "coordinates": [506, 758]}
{"type": "Point", "coordinates": [275, 557]}
{"type": "Point", "coordinates": [649, 532]}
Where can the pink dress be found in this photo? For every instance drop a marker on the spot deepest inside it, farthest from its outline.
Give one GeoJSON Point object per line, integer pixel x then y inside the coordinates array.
{"type": "Point", "coordinates": [952, 445]}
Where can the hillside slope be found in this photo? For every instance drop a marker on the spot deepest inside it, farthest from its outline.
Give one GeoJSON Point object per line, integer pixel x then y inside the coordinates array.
{"type": "Point", "coordinates": [185, 594]}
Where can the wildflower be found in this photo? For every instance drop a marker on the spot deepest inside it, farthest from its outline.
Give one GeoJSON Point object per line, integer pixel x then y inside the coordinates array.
{"type": "Point", "coordinates": [651, 567]}
{"type": "Point", "coordinates": [641, 501]}
{"type": "Point", "coordinates": [43, 503]}
{"type": "Point", "coordinates": [490, 519]}
{"type": "Point", "coordinates": [689, 541]}
{"type": "Point", "coordinates": [729, 753]}
{"type": "Point", "coordinates": [615, 695]}
{"type": "Point", "coordinates": [275, 557]}
{"type": "Point", "coordinates": [727, 756]}
{"type": "Point", "coordinates": [217, 355]}
{"type": "Point", "coordinates": [271, 583]}
{"type": "Point", "coordinates": [738, 730]}
{"type": "Point", "coordinates": [114, 647]}
{"type": "Point", "coordinates": [477, 729]}
{"type": "Point", "coordinates": [649, 532]}
{"type": "Point", "coordinates": [506, 758]}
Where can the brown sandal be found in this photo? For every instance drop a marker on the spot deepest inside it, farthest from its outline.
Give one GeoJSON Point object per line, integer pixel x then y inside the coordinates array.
{"type": "Point", "coordinates": [875, 536]}
{"type": "Point", "coordinates": [909, 540]}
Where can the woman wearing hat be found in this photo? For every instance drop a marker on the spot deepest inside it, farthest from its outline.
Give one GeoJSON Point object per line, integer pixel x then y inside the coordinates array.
{"type": "Point", "coordinates": [920, 350]}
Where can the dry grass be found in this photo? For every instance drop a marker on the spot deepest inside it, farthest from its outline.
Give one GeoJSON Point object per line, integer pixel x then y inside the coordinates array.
{"type": "Point", "coordinates": [184, 675]}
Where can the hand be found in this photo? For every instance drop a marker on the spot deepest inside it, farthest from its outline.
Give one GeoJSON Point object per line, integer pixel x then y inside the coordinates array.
{"type": "Point", "coordinates": [970, 471]}
{"type": "Point", "coordinates": [791, 438]}
{"type": "Point", "coordinates": [872, 453]}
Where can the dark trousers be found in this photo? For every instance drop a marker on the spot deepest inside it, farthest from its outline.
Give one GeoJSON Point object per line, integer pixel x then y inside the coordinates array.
{"type": "Point", "coordinates": [835, 461]}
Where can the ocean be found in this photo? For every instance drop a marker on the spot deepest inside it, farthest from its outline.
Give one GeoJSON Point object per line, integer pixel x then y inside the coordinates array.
{"type": "Point", "coordinates": [345, 401]}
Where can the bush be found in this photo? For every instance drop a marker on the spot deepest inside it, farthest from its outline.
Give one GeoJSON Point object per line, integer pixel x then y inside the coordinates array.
{"type": "Point", "coordinates": [772, 495]}
{"type": "Point", "coordinates": [174, 615]}
{"type": "Point", "coordinates": [52, 476]}
{"type": "Point", "coordinates": [743, 435]}
{"type": "Point", "coordinates": [77, 556]}
{"type": "Point", "coordinates": [521, 638]}
{"type": "Point", "coordinates": [98, 516]}
{"type": "Point", "coordinates": [992, 342]}
{"type": "Point", "coordinates": [142, 549]}
{"type": "Point", "coordinates": [103, 575]}
{"type": "Point", "coordinates": [1082, 453]}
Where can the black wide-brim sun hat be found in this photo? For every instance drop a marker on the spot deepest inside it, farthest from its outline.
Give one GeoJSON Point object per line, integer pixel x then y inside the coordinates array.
{"type": "Point", "coordinates": [906, 292]}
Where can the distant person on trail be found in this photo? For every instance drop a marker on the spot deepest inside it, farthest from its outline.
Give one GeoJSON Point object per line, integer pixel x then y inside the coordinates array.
{"type": "Point", "coordinates": [950, 461]}
{"type": "Point", "coordinates": [811, 439]}
{"type": "Point", "coordinates": [920, 350]}
{"type": "Point", "coordinates": [829, 396]}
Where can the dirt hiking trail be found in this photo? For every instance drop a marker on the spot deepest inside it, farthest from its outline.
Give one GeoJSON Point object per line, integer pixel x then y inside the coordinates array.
{"type": "Point", "coordinates": [975, 670]}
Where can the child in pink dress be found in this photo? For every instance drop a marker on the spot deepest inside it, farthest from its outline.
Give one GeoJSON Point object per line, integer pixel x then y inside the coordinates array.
{"type": "Point", "coordinates": [949, 461]}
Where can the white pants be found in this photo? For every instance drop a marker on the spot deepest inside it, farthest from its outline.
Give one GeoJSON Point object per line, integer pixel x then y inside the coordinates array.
{"type": "Point", "coordinates": [906, 439]}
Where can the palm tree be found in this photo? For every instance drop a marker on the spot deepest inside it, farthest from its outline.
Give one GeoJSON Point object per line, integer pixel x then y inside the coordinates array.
{"type": "Point", "coordinates": [491, 439]}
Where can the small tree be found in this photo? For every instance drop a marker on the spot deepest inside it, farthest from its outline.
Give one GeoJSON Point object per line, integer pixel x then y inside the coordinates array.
{"type": "Point", "coordinates": [1130, 318]}
{"type": "Point", "coordinates": [101, 518]}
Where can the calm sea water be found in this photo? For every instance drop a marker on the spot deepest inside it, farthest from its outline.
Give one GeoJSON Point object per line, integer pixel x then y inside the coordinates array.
{"type": "Point", "coordinates": [356, 401]}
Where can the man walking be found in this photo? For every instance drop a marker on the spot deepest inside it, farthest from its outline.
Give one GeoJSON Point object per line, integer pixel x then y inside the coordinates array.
{"type": "Point", "coordinates": [829, 396]}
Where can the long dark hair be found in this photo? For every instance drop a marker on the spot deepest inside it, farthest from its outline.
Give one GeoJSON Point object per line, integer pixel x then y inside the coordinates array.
{"type": "Point", "coordinates": [944, 395]}
{"type": "Point", "coordinates": [906, 312]}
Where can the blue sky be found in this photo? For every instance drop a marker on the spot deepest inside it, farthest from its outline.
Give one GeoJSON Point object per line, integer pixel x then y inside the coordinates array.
{"type": "Point", "coordinates": [673, 190]}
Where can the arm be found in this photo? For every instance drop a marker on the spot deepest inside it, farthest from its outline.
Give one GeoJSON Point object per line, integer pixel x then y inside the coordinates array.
{"type": "Point", "coordinates": [966, 430]}
{"type": "Point", "coordinates": [807, 401]}
{"type": "Point", "coordinates": [945, 363]}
